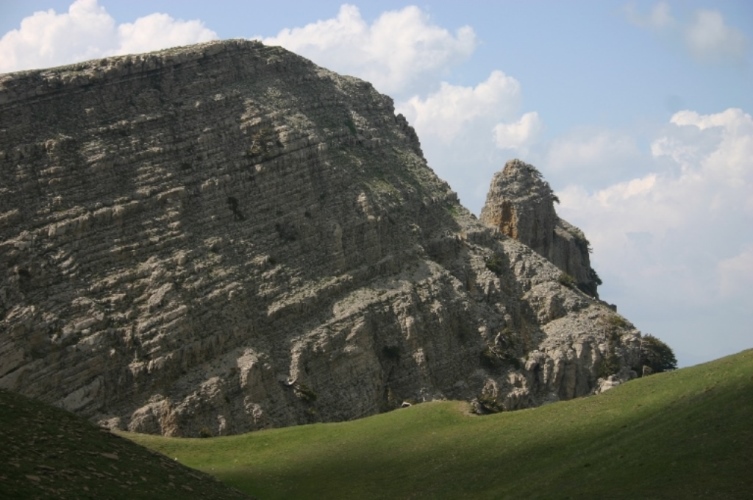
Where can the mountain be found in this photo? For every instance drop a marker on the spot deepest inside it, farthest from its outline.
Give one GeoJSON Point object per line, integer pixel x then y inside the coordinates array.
{"type": "Point", "coordinates": [226, 237]}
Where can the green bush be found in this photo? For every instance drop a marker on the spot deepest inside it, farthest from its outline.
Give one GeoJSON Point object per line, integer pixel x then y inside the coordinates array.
{"type": "Point", "coordinates": [566, 280]}
{"type": "Point", "coordinates": [657, 355]}
{"type": "Point", "coordinates": [487, 403]}
{"type": "Point", "coordinates": [305, 393]}
{"type": "Point", "coordinates": [495, 264]}
{"type": "Point", "coordinates": [610, 365]}
{"type": "Point", "coordinates": [617, 321]}
{"type": "Point", "coordinates": [490, 359]}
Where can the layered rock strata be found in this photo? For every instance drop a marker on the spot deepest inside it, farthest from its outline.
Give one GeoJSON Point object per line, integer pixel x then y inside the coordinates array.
{"type": "Point", "coordinates": [226, 237]}
{"type": "Point", "coordinates": [520, 204]}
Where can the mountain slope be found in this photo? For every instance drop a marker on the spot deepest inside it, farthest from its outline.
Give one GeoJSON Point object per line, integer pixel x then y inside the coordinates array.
{"type": "Point", "coordinates": [683, 434]}
{"type": "Point", "coordinates": [50, 453]}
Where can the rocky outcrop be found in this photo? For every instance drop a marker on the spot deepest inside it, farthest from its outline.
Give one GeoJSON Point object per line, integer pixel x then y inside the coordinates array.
{"type": "Point", "coordinates": [226, 237]}
{"type": "Point", "coordinates": [520, 204]}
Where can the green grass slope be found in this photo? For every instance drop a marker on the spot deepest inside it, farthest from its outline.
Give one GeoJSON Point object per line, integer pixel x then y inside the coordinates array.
{"type": "Point", "coordinates": [46, 452]}
{"type": "Point", "coordinates": [684, 434]}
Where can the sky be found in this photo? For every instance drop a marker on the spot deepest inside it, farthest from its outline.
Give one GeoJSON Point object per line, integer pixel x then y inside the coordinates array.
{"type": "Point", "coordinates": [638, 113]}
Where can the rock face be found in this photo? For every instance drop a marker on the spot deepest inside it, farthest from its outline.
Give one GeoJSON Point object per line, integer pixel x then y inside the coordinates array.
{"type": "Point", "coordinates": [226, 237]}
{"type": "Point", "coordinates": [520, 204]}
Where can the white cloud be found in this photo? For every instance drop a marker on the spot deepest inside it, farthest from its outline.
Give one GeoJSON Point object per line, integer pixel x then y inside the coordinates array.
{"type": "Point", "coordinates": [87, 31]}
{"type": "Point", "coordinates": [468, 132]}
{"type": "Point", "coordinates": [697, 201]}
{"type": "Point", "coordinates": [706, 36]}
{"type": "Point", "coordinates": [452, 108]}
{"type": "Point", "coordinates": [589, 149]}
{"type": "Point", "coordinates": [157, 31]}
{"type": "Point", "coordinates": [731, 160]}
{"type": "Point", "coordinates": [736, 274]}
{"type": "Point", "coordinates": [592, 157]}
{"type": "Point", "coordinates": [397, 52]}
{"type": "Point", "coordinates": [518, 135]}
{"type": "Point", "coordinates": [709, 37]}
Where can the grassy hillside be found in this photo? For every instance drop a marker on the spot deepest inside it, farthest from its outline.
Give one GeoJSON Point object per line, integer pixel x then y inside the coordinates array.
{"type": "Point", "coordinates": [46, 452]}
{"type": "Point", "coordinates": [685, 434]}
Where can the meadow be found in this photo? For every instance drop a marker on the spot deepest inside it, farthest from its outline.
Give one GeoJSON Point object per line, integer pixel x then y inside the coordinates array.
{"type": "Point", "coordinates": [682, 434]}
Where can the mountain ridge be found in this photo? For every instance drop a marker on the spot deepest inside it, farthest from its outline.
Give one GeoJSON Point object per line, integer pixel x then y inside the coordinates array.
{"type": "Point", "coordinates": [226, 237]}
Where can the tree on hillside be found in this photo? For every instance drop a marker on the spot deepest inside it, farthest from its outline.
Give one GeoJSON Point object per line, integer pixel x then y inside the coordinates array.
{"type": "Point", "coordinates": [657, 355]}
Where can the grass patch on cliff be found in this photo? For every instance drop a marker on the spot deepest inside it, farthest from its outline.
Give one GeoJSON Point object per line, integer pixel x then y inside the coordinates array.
{"type": "Point", "coordinates": [681, 434]}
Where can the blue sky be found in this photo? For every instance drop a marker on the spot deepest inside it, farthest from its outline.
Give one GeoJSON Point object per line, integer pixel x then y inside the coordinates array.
{"type": "Point", "coordinates": [638, 114]}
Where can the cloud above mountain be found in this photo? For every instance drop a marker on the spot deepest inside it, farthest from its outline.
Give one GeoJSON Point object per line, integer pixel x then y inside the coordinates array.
{"type": "Point", "coordinates": [87, 31]}
{"type": "Point", "coordinates": [402, 50]}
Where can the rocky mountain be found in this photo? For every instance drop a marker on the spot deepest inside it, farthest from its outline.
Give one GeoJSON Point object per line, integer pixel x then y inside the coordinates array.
{"type": "Point", "coordinates": [225, 237]}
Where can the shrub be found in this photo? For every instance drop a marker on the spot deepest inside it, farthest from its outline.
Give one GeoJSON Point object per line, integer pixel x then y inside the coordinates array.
{"type": "Point", "coordinates": [490, 359]}
{"type": "Point", "coordinates": [657, 355]}
{"type": "Point", "coordinates": [495, 264]}
{"type": "Point", "coordinates": [494, 357]}
{"type": "Point", "coordinates": [487, 403]}
{"type": "Point", "coordinates": [617, 321]}
{"type": "Point", "coordinates": [305, 393]}
{"type": "Point", "coordinates": [566, 280]}
{"type": "Point", "coordinates": [351, 126]}
{"type": "Point", "coordinates": [610, 365]}
{"type": "Point", "coordinates": [204, 432]}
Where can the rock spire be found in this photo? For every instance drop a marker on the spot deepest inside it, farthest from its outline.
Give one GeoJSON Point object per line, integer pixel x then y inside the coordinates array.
{"type": "Point", "coordinates": [520, 204]}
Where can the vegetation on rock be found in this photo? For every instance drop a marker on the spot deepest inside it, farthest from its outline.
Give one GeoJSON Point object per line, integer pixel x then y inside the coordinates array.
{"type": "Point", "coordinates": [657, 355]}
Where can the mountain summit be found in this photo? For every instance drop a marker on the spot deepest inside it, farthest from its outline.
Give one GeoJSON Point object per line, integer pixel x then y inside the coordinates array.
{"type": "Point", "coordinates": [226, 237]}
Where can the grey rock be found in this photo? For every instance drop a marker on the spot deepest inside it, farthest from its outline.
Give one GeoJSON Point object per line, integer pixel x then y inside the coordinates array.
{"type": "Point", "coordinates": [520, 204]}
{"type": "Point", "coordinates": [226, 237]}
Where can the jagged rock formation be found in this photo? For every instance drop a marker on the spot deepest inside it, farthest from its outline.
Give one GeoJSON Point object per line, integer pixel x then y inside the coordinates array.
{"type": "Point", "coordinates": [226, 237]}
{"type": "Point", "coordinates": [520, 204]}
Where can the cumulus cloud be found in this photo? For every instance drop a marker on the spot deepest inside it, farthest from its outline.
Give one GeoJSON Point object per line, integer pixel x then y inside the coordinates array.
{"type": "Point", "coordinates": [591, 149]}
{"type": "Point", "coordinates": [157, 31]}
{"type": "Point", "coordinates": [663, 238]}
{"type": "Point", "coordinates": [707, 36]}
{"type": "Point", "coordinates": [592, 158]}
{"type": "Point", "coordinates": [730, 134]}
{"type": "Point", "coordinates": [448, 111]}
{"type": "Point", "coordinates": [396, 52]}
{"type": "Point", "coordinates": [476, 127]}
{"type": "Point", "coordinates": [87, 31]}
{"type": "Point", "coordinates": [714, 154]}
{"type": "Point", "coordinates": [518, 135]}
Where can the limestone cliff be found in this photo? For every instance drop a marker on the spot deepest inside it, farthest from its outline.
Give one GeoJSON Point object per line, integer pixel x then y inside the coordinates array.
{"type": "Point", "coordinates": [520, 204]}
{"type": "Point", "coordinates": [226, 237]}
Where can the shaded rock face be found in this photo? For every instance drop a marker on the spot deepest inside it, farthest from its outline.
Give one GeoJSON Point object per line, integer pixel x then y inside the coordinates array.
{"type": "Point", "coordinates": [226, 237]}
{"type": "Point", "coordinates": [520, 204]}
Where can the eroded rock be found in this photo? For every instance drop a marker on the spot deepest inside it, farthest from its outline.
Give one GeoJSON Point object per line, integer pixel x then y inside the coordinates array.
{"type": "Point", "coordinates": [225, 237]}
{"type": "Point", "coordinates": [520, 204]}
